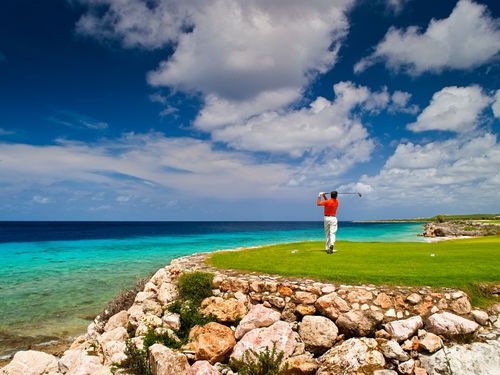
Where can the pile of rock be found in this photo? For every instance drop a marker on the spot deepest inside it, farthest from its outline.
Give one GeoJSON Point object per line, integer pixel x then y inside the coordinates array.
{"type": "Point", "coordinates": [320, 328]}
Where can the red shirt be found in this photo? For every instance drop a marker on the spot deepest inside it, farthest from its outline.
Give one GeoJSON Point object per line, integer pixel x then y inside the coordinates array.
{"type": "Point", "coordinates": [330, 206]}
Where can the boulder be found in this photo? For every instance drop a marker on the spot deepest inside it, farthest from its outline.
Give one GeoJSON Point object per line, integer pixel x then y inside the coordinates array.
{"type": "Point", "coordinates": [167, 293]}
{"type": "Point", "coordinates": [385, 372]}
{"type": "Point", "coordinates": [406, 367]}
{"type": "Point", "coordinates": [331, 305]}
{"type": "Point", "coordinates": [152, 307]}
{"type": "Point", "coordinates": [303, 364]}
{"type": "Point", "coordinates": [212, 342]}
{"type": "Point", "coordinates": [258, 317]}
{"type": "Point", "coordinates": [449, 324]}
{"type": "Point", "coordinates": [401, 330]}
{"type": "Point", "coordinates": [224, 310]}
{"type": "Point", "coordinates": [357, 323]}
{"type": "Point", "coordinates": [383, 300]}
{"type": "Point", "coordinates": [354, 356]}
{"type": "Point", "coordinates": [414, 298]}
{"type": "Point", "coordinates": [304, 298]}
{"type": "Point", "coordinates": [135, 315]}
{"type": "Point", "coordinates": [461, 306]}
{"type": "Point", "coordinates": [171, 321]}
{"type": "Point", "coordinates": [31, 362]}
{"type": "Point", "coordinates": [118, 320]}
{"type": "Point", "coordinates": [318, 333]}
{"type": "Point", "coordinates": [430, 342]}
{"type": "Point", "coordinates": [480, 317]}
{"type": "Point", "coordinates": [78, 362]}
{"type": "Point", "coordinates": [305, 309]}
{"type": "Point", "coordinates": [159, 277]}
{"type": "Point", "coordinates": [143, 296]}
{"type": "Point", "coordinates": [260, 339]}
{"type": "Point", "coordinates": [359, 296]}
{"type": "Point", "coordinates": [392, 350]}
{"type": "Point", "coordinates": [202, 368]}
{"type": "Point", "coordinates": [113, 345]}
{"type": "Point", "coordinates": [477, 358]}
{"type": "Point", "coordinates": [165, 361]}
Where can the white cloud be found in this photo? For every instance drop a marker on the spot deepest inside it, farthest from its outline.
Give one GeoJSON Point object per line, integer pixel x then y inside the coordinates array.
{"type": "Point", "coordinates": [454, 109]}
{"type": "Point", "coordinates": [396, 6]}
{"type": "Point", "coordinates": [400, 102]}
{"type": "Point", "coordinates": [243, 56]}
{"type": "Point", "coordinates": [77, 121]}
{"type": "Point", "coordinates": [461, 174]}
{"type": "Point", "coordinates": [40, 200]}
{"type": "Point", "coordinates": [468, 38]}
{"type": "Point", "coordinates": [496, 104]}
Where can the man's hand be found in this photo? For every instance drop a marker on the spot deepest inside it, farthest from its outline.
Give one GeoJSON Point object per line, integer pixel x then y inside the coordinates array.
{"type": "Point", "coordinates": [321, 194]}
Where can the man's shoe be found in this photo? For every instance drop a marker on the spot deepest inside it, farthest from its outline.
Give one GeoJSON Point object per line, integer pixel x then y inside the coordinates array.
{"type": "Point", "coordinates": [331, 250]}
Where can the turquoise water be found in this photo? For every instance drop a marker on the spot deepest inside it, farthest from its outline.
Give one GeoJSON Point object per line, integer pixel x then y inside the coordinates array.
{"type": "Point", "coordinates": [48, 287]}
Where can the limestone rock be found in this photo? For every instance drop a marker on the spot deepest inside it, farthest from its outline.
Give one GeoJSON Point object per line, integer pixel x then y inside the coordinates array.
{"type": "Point", "coordinates": [318, 333]}
{"type": "Point", "coordinates": [171, 321]}
{"type": "Point", "coordinates": [258, 317]}
{"type": "Point", "coordinates": [359, 296]}
{"type": "Point", "coordinates": [477, 358]}
{"type": "Point", "coordinates": [461, 306]}
{"type": "Point", "coordinates": [305, 309]}
{"type": "Point", "coordinates": [385, 372]}
{"type": "Point", "coordinates": [165, 361]}
{"type": "Point", "coordinates": [331, 305]}
{"type": "Point", "coordinates": [383, 300]}
{"type": "Point", "coordinates": [31, 362]}
{"type": "Point", "coordinates": [135, 315]}
{"type": "Point", "coordinates": [406, 367]}
{"type": "Point", "coordinates": [160, 277]}
{"type": "Point", "coordinates": [430, 342]}
{"type": "Point", "coordinates": [224, 310]}
{"type": "Point", "coordinates": [414, 298]}
{"type": "Point", "coordinates": [152, 307]}
{"type": "Point", "coordinates": [167, 293]}
{"type": "Point", "coordinates": [212, 342]}
{"type": "Point", "coordinates": [357, 323]}
{"type": "Point", "coordinates": [392, 350]}
{"type": "Point", "coordinates": [78, 362]}
{"type": "Point", "coordinates": [449, 324]}
{"type": "Point", "coordinates": [261, 338]}
{"type": "Point", "coordinates": [143, 296]}
{"type": "Point", "coordinates": [304, 298]}
{"type": "Point", "coordinates": [354, 356]}
{"type": "Point", "coordinates": [303, 364]}
{"type": "Point", "coordinates": [480, 317]}
{"type": "Point", "coordinates": [118, 320]}
{"type": "Point", "coordinates": [202, 368]}
{"type": "Point", "coordinates": [401, 330]}
{"type": "Point", "coordinates": [113, 345]}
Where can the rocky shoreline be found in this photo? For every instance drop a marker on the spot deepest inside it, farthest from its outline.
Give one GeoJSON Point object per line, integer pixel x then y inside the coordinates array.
{"type": "Point", "coordinates": [320, 328]}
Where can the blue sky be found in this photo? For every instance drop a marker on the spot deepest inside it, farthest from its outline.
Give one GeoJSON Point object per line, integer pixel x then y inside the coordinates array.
{"type": "Point", "coordinates": [244, 110]}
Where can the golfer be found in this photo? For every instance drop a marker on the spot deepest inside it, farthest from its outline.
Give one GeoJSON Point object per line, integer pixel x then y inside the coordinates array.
{"type": "Point", "coordinates": [330, 206]}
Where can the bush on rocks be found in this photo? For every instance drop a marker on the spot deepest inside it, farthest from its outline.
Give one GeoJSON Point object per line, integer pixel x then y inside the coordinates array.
{"type": "Point", "coordinates": [195, 286]}
{"type": "Point", "coordinates": [266, 362]}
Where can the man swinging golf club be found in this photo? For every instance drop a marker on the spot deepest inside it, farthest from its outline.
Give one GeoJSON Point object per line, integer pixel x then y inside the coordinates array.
{"type": "Point", "coordinates": [330, 207]}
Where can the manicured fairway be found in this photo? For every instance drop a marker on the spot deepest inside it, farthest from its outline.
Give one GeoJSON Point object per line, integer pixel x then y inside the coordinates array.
{"type": "Point", "coordinates": [458, 263]}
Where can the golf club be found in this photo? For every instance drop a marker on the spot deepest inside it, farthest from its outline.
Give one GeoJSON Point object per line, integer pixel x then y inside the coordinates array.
{"type": "Point", "coordinates": [356, 193]}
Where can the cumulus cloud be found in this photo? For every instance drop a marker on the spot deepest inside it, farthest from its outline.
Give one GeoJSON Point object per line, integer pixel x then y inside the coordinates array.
{"type": "Point", "coordinates": [40, 199]}
{"type": "Point", "coordinates": [468, 38]}
{"type": "Point", "coordinates": [462, 173]}
{"type": "Point", "coordinates": [496, 105]}
{"type": "Point", "coordinates": [143, 161]}
{"type": "Point", "coordinates": [244, 57]}
{"type": "Point", "coordinates": [454, 109]}
{"type": "Point", "coordinates": [77, 121]}
{"type": "Point", "coordinates": [395, 6]}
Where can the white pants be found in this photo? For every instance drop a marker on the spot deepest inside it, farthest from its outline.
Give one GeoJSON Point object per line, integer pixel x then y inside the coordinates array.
{"type": "Point", "coordinates": [330, 230]}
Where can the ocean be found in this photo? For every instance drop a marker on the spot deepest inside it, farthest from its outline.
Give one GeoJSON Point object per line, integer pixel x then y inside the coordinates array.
{"type": "Point", "coordinates": [55, 275]}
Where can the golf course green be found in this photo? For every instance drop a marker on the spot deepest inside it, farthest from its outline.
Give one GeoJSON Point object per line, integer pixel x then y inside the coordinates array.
{"type": "Point", "coordinates": [463, 264]}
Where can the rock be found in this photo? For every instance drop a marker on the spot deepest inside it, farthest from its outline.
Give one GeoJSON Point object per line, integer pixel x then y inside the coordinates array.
{"type": "Point", "coordinates": [212, 342]}
{"type": "Point", "coordinates": [165, 361]}
{"type": "Point", "coordinates": [135, 315]}
{"type": "Point", "coordinates": [480, 317]}
{"type": "Point", "coordinates": [391, 313]}
{"type": "Point", "coordinates": [260, 339]}
{"type": "Point", "coordinates": [285, 291]}
{"type": "Point", "coordinates": [167, 293]}
{"type": "Point", "coordinates": [152, 307]}
{"type": "Point", "coordinates": [383, 300]}
{"type": "Point", "coordinates": [402, 329]}
{"type": "Point", "coordinates": [354, 356]}
{"type": "Point", "coordinates": [78, 362]}
{"type": "Point", "coordinates": [143, 296]}
{"type": "Point", "coordinates": [359, 296]}
{"type": "Point", "coordinates": [288, 313]}
{"type": "Point", "coordinates": [392, 350]}
{"type": "Point", "coordinates": [419, 371]}
{"type": "Point", "coordinates": [318, 333]}
{"type": "Point", "coordinates": [331, 306]}
{"type": "Point", "coordinates": [305, 309]}
{"type": "Point", "coordinates": [171, 321]}
{"type": "Point", "coordinates": [258, 317]}
{"type": "Point", "coordinates": [224, 310]}
{"type": "Point", "coordinates": [477, 358]}
{"type": "Point", "coordinates": [31, 362]}
{"type": "Point", "coordinates": [304, 298]}
{"type": "Point", "coordinates": [385, 372]}
{"type": "Point", "coordinates": [430, 342]}
{"type": "Point", "coordinates": [113, 345]}
{"type": "Point", "coordinates": [118, 320]}
{"type": "Point", "coordinates": [202, 368]}
{"type": "Point", "coordinates": [303, 364]}
{"type": "Point", "coordinates": [412, 344]}
{"type": "Point", "coordinates": [449, 324]}
{"type": "Point", "coordinates": [382, 334]}
{"type": "Point", "coordinates": [357, 323]}
{"type": "Point", "coordinates": [406, 367]}
{"type": "Point", "coordinates": [414, 298]}
{"type": "Point", "coordinates": [159, 277]}
{"type": "Point", "coordinates": [461, 306]}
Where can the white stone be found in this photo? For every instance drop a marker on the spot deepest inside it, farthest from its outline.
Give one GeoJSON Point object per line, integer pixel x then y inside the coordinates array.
{"type": "Point", "coordinates": [31, 362]}
{"type": "Point", "coordinates": [392, 350]}
{"type": "Point", "coordinates": [406, 367]}
{"type": "Point", "coordinates": [78, 362]}
{"type": "Point", "coordinates": [318, 333]}
{"type": "Point", "coordinates": [165, 361]}
{"type": "Point", "coordinates": [446, 323]}
{"type": "Point", "coordinates": [400, 330]}
{"type": "Point", "coordinates": [258, 317]}
{"type": "Point", "coordinates": [118, 320]}
{"type": "Point", "coordinates": [113, 345]}
{"type": "Point", "coordinates": [480, 316]}
{"type": "Point", "coordinates": [172, 321]}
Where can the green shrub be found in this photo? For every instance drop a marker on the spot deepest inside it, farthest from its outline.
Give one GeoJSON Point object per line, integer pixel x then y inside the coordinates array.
{"type": "Point", "coordinates": [152, 338]}
{"type": "Point", "coordinates": [189, 316]}
{"type": "Point", "coordinates": [267, 362]}
{"type": "Point", "coordinates": [195, 286]}
{"type": "Point", "coordinates": [440, 219]}
{"type": "Point", "coordinates": [136, 362]}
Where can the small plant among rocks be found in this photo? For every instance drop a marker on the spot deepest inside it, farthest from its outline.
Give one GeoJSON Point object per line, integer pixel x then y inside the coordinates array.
{"type": "Point", "coordinates": [137, 360]}
{"type": "Point", "coordinates": [195, 286]}
{"type": "Point", "coordinates": [267, 362]}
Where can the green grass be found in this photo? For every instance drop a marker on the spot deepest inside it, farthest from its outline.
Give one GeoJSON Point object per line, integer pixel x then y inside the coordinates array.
{"type": "Point", "coordinates": [462, 264]}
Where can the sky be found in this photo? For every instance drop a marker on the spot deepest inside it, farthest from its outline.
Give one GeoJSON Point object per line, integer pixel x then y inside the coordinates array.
{"type": "Point", "coordinates": [246, 109]}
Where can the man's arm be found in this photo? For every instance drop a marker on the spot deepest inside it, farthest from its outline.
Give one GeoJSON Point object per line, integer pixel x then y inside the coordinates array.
{"type": "Point", "coordinates": [319, 203]}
